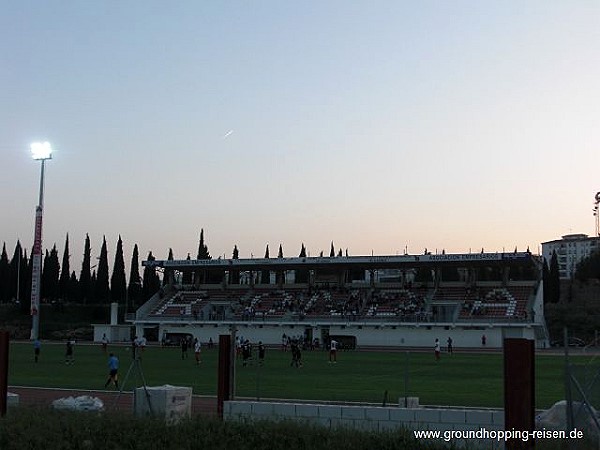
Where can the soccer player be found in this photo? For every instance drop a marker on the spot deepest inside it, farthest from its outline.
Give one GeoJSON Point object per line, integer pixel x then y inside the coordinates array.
{"type": "Point", "coordinates": [113, 368]}
{"type": "Point", "coordinates": [142, 343]}
{"type": "Point", "coordinates": [261, 353]}
{"type": "Point", "coordinates": [69, 358]}
{"type": "Point", "coordinates": [436, 349]}
{"type": "Point", "coordinates": [450, 349]}
{"type": "Point", "coordinates": [284, 342]}
{"type": "Point", "coordinates": [333, 351]}
{"type": "Point", "coordinates": [104, 342]}
{"type": "Point", "coordinates": [246, 352]}
{"type": "Point", "coordinates": [37, 346]}
{"type": "Point", "coordinates": [184, 348]}
{"type": "Point", "coordinates": [296, 354]}
{"type": "Point", "coordinates": [197, 350]}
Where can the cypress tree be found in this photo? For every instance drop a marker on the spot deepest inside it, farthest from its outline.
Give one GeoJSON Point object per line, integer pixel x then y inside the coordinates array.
{"type": "Point", "coordinates": [65, 274]}
{"type": "Point", "coordinates": [235, 274]}
{"type": "Point", "coordinates": [101, 288]}
{"type": "Point", "coordinates": [4, 276]}
{"type": "Point", "coordinates": [85, 278]}
{"type": "Point", "coordinates": [118, 284]}
{"type": "Point", "coordinates": [554, 282]}
{"type": "Point", "coordinates": [332, 251]}
{"type": "Point", "coordinates": [279, 277]}
{"type": "Point", "coordinates": [546, 281]}
{"type": "Point", "coordinates": [187, 274]}
{"type": "Point", "coordinates": [93, 280]}
{"type": "Point", "coordinates": [265, 276]}
{"type": "Point", "coordinates": [54, 273]}
{"type": "Point", "coordinates": [168, 272]}
{"type": "Point", "coordinates": [589, 267]}
{"type": "Point", "coordinates": [203, 253]}
{"type": "Point", "coordinates": [135, 282]}
{"type": "Point", "coordinates": [50, 274]}
{"type": "Point", "coordinates": [26, 270]}
{"type": "Point", "coordinates": [14, 274]}
{"type": "Point", "coordinates": [302, 274]}
{"type": "Point", "coordinates": [151, 280]}
{"type": "Point", "coordinates": [73, 287]}
{"type": "Point", "coordinates": [25, 291]}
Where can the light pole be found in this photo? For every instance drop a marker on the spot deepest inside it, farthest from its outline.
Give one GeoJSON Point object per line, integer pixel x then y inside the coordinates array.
{"type": "Point", "coordinates": [41, 151]}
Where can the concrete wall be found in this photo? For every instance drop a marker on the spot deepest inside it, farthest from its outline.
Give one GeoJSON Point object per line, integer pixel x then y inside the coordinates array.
{"type": "Point", "coordinates": [114, 333]}
{"type": "Point", "coordinates": [373, 418]}
{"type": "Point", "coordinates": [366, 335]}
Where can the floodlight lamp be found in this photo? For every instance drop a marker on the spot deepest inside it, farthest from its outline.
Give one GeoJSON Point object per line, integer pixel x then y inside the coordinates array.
{"type": "Point", "coordinates": [41, 150]}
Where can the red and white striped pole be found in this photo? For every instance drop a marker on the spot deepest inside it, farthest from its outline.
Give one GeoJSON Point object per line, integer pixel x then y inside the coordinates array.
{"type": "Point", "coordinates": [41, 152]}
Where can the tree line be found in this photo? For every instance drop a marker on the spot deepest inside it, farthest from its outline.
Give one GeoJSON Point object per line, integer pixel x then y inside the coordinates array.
{"type": "Point", "coordinates": [94, 283]}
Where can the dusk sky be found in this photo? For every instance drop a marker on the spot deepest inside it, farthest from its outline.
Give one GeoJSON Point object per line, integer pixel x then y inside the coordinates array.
{"type": "Point", "coordinates": [379, 125]}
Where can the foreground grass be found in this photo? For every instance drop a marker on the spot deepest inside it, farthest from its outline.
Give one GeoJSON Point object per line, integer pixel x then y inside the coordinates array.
{"type": "Point", "coordinates": [26, 428]}
{"type": "Point", "coordinates": [460, 379]}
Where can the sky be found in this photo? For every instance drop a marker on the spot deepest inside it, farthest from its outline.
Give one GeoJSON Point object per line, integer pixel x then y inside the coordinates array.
{"type": "Point", "coordinates": [383, 126]}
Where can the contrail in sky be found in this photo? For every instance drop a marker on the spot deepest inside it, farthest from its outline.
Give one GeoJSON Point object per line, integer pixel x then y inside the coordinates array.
{"type": "Point", "coordinates": [228, 134]}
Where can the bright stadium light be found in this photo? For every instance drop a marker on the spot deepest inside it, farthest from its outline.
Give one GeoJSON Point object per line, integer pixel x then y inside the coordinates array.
{"type": "Point", "coordinates": [41, 150]}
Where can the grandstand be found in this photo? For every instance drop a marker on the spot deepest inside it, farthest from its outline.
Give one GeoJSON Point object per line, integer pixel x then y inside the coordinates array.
{"type": "Point", "coordinates": [397, 301]}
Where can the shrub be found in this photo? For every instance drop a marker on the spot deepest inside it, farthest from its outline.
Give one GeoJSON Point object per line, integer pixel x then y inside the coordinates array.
{"type": "Point", "coordinates": [47, 429]}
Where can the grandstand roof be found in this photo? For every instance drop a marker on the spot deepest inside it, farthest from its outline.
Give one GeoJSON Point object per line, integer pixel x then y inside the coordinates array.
{"type": "Point", "coordinates": [342, 262]}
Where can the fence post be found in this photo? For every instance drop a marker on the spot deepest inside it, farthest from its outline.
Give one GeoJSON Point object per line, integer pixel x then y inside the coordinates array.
{"type": "Point", "coordinates": [519, 389]}
{"type": "Point", "coordinates": [3, 372]}
{"type": "Point", "coordinates": [224, 374]}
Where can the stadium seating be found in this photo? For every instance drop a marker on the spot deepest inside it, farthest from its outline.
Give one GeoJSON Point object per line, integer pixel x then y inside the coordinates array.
{"type": "Point", "coordinates": [484, 301]}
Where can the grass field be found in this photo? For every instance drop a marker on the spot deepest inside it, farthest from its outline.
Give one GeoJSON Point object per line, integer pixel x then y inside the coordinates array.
{"type": "Point", "coordinates": [468, 379]}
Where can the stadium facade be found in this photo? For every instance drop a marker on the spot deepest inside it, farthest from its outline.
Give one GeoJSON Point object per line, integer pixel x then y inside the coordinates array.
{"type": "Point", "coordinates": [476, 299]}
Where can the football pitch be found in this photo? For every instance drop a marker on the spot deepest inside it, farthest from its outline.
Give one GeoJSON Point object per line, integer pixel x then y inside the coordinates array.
{"type": "Point", "coordinates": [461, 379]}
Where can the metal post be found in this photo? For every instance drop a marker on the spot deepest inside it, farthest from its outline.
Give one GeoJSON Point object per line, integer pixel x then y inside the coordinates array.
{"type": "Point", "coordinates": [232, 357]}
{"type": "Point", "coordinates": [519, 389]}
{"type": "Point", "coordinates": [406, 380]}
{"type": "Point", "coordinates": [223, 376]}
{"type": "Point", "coordinates": [568, 392]}
{"type": "Point", "coordinates": [37, 262]}
{"type": "Point", "coordinates": [258, 381]}
{"type": "Point", "coordinates": [3, 372]}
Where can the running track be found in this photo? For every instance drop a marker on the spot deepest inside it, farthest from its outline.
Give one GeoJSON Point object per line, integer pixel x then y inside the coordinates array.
{"type": "Point", "coordinates": [29, 396]}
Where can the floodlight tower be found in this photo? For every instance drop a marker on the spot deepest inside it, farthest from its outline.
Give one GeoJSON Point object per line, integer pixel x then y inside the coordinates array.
{"type": "Point", "coordinates": [41, 151]}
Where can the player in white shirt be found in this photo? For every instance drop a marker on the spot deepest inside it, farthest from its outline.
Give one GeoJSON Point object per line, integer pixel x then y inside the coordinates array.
{"type": "Point", "coordinates": [104, 342]}
{"type": "Point", "coordinates": [333, 351]}
{"type": "Point", "coordinates": [197, 350]}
